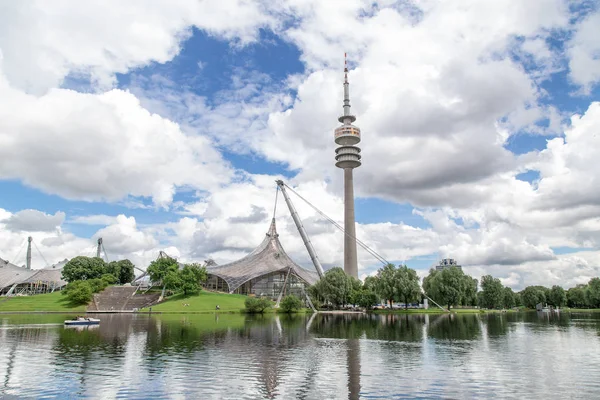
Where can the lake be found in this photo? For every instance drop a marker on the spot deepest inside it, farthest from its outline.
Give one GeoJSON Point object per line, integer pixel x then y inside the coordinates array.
{"type": "Point", "coordinates": [232, 356]}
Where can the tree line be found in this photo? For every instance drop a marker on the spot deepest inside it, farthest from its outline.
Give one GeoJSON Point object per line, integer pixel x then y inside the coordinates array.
{"type": "Point", "coordinates": [449, 287]}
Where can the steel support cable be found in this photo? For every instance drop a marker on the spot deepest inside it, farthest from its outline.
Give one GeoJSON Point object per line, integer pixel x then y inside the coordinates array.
{"type": "Point", "coordinates": [43, 258]}
{"type": "Point", "coordinates": [275, 207]}
{"type": "Point", "coordinates": [16, 258]}
{"type": "Point", "coordinates": [360, 243]}
{"type": "Point", "coordinates": [104, 250]}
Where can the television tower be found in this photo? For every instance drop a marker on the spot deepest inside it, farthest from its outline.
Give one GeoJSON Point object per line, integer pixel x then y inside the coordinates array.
{"type": "Point", "coordinates": [347, 157]}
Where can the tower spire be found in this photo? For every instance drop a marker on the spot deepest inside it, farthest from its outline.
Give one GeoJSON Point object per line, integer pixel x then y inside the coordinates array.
{"type": "Point", "coordinates": [347, 157]}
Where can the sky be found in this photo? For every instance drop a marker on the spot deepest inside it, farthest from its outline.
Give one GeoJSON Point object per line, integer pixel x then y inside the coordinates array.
{"type": "Point", "coordinates": [163, 126]}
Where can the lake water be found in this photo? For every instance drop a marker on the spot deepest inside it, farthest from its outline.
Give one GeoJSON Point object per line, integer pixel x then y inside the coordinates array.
{"type": "Point", "coordinates": [230, 356]}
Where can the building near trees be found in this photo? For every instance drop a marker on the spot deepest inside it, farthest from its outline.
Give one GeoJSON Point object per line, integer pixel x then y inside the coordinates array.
{"type": "Point", "coordinates": [266, 271]}
{"type": "Point", "coordinates": [15, 280]}
{"type": "Point", "coordinates": [447, 263]}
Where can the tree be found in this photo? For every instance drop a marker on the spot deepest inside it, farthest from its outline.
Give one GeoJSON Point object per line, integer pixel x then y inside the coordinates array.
{"type": "Point", "coordinates": [533, 295]}
{"type": "Point", "coordinates": [492, 292]}
{"type": "Point", "coordinates": [558, 297]}
{"type": "Point", "coordinates": [336, 286]}
{"type": "Point", "coordinates": [576, 296]}
{"type": "Point", "coordinates": [123, 270]}
{"type": "Point", "coordinates": [370, 283]}
{"type": "Point", "coordinates": [79, 292]}
{"type": "Point", "coordinates": [191, 277]}
{"type": "Point", "coordinates": [367, 299]}
{"type": "Point", "coordinates": [257, 305]}
{"type": "Point", "coordinates": [386, 283]}
{"type": "Point", "coordinates": [447, 286]}
{"type": "Point", "coordinates": [470, 296]}
{"type": "Point", "coordinates": [290, 304]}
{"type": "Point", "coordinates": [82, 268]}
{"type": "Point", "coordinates": [407, 285]}
{"type": "Point", "coordinates": [159, 268]}
{"type": "Point", "coordinates": [593, 293]}
{"type": "Point", "coordinates": [508, 298]}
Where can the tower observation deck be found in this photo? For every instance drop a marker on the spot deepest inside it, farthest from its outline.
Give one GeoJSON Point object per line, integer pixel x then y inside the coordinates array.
{"type": "Point", "coordinates": [347, 157]}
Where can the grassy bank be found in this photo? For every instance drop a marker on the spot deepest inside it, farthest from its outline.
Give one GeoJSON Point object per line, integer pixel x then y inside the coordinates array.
{"type": "Point", "coordinates": [201, 303]}
{"type": "Point", "coordinates": [55, 302]}
{"type": "Point", "coordinates": [583, 310]}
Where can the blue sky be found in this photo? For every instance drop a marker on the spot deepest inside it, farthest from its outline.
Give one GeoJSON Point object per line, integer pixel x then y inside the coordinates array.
{"type": "Point", "coordinates": [236, 97]}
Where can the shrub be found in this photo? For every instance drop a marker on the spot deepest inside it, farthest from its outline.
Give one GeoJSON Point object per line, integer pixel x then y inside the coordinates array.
{"type": "Point", "coordinates": [257, 305]}
{"type": "Point", "coordinates": [109, 279]}
{"type": "Point", "coordinates": [78, 292]}
{"type": "Point", "coordinates": [97, 285]}
{"type": "Point", "coordinates": [290, 304]}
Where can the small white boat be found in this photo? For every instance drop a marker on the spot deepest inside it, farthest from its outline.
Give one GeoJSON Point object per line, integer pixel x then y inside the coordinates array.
{"type": "Point", "coordinates": [82, 321]}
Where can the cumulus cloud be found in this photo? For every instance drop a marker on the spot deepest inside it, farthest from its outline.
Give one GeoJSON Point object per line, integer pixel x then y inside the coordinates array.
{"type": "Point", "coordinates": [42, 44]}
{"type": "Point", "coordinates": [100, 147]}
{"type": "Point", "coordinates": [34, 221]}
{"type": "Point", "coordinates": [584, 63]}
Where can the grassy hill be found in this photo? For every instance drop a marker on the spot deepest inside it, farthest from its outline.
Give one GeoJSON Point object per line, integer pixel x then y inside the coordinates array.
{"type": "Point", "coordinates": [202, 302]}
{"type": "Point", "coordinates": [39, 302]}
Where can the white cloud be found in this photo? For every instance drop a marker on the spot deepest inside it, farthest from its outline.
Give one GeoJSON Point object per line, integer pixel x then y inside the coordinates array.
{"type": "Point", "coordinates": [33, 221]}
{"type": "Point", "coordinates": [43, 43]}
{"type": "Point", "coordinates": [100, 147]}
{"type": "Point", "coordinates": [584, 53]}
{"type": "Point", "coordinates": [100, 219]}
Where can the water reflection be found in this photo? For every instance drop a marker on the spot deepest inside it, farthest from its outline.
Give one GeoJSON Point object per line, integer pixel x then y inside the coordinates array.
{"type": "Point", "coordinates": [320, 356]}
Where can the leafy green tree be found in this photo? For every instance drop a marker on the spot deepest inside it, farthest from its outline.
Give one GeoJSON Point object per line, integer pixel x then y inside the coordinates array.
{"type": "Point", "coordinates": [447, 286]}
{"type": "Point", "coordinates": [533, 295]}
{"type": "Point", "coordinates": [290, 304]}
{"type": "Point", "coordinates": [172, 281]}
{"type": "Point", "coordinates": [558, 296]}
{"type": "Point", "coordinates": [407, 285]}
{"type": "Point", "coordinates": [159, 268]}
{"type": "Point", "coordinates": [123, 270]}
{"type": "Point", "coordinates": [508, 298]}
{"type": "Point", "coordinates": [370, 283]}
{"type": "Point", "coordinates": [470, 295]}
{"type": "Point", "coordinates": [191, 277]}
{"type": "Point", "coordinates": [576, 296]}
{"type": "Point", "coordinates": [336, 286]}
{"type": "Point", "coordinates": [257, 305]}
{"type": "Point", "coordinates": [78, 292]}
{"type": "Point", "coordinates": [82, 268]}
{"type": "Point", "coordinates": [109, 279]}
{"type": "Point", "coordinates": [593, 293]}
{"type": "Point", "coordinates": [97, 284]}
{"type": "Point", "coordinates": [492, 292]}
{"type": "Point", "coordinates": [367, 299]}
{"type": "Point", "coordinates": [386, 283]}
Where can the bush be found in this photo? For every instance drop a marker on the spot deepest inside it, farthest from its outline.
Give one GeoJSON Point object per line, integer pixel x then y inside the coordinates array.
{"type": "Point", "coordinates": [97, 285]}
{"type": "Point", "coordinates": [109, 279]}
{"type": "Point", "coordinates": [290, 304]}
{"type": "Point", "coordinates": [78, 292]}
{"type": "Point", "coordinates": [257, 305]}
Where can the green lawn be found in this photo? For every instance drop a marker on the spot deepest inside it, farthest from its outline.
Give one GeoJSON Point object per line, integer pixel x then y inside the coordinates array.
{"type": "Point", "coordinates": [39, 302]}
{"type": "Point", "coordinates": [203, 302]}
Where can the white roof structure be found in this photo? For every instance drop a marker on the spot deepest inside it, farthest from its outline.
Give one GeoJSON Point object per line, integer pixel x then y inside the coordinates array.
{"type": "Point", "coordinates": [11, 274]}
{"type": "Point", "coordinates": [268, 257]}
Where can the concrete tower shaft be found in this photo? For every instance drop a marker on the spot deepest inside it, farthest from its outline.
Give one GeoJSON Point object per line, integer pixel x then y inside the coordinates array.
{"type": "Point", "coordinates": [347, 157]}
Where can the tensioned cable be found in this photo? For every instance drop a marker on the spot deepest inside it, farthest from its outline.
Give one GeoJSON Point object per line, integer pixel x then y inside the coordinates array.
{"type": "Point", "coordinates": [360, 243]}
{"type": "Point", "coordinates": [16, 259]}
{"type": "Point", "coordinates": [275, 207]}
{"type": "Point", "coordinates": [105, 255]}
{"type": "Point", "coordinates": [43, 258]}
